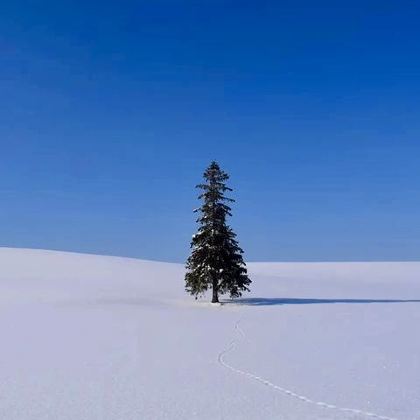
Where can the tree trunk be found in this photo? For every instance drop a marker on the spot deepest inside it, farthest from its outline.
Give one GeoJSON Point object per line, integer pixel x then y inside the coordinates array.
{"type": "Point", "coordinates": [215, 298]}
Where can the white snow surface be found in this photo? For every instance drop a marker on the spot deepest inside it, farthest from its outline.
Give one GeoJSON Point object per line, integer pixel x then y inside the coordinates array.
{"type": "Point", "coordinates": [87, 337]}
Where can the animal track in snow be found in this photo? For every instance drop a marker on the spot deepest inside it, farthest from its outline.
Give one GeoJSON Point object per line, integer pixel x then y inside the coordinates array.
{"type": "Point", "coordinates": [286, 391]}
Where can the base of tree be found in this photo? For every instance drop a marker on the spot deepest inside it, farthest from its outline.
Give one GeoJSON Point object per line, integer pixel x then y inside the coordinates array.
{"type": "Point", "coordinates": [215, 300]}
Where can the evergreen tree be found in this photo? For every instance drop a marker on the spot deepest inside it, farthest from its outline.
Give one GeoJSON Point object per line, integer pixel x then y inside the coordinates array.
{"type": "Point", "coordinates": [216, 259]}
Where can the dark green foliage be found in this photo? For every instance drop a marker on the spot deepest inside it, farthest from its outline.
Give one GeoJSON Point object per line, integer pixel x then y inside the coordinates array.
{"type": "Point", "coordinates": [216, 259]}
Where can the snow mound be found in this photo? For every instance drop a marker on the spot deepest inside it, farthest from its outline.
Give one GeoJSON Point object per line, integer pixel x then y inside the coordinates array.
{"type": "Point", "coordinates": [105, 338]}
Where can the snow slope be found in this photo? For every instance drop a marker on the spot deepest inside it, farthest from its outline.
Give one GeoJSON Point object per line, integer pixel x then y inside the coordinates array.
{"type": "Point", "coordinates": [103, 338]}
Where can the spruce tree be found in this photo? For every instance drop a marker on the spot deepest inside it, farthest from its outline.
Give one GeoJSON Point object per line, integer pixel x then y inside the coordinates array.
{"type": "Point", "coordinates": [216, 261]}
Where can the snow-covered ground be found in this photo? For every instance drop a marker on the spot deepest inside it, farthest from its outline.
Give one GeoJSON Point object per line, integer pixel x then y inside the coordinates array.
{"type": "Point", "coordinates": [103, 338]}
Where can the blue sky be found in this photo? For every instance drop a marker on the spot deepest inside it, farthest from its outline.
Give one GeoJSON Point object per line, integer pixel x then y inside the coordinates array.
{"type": "Point", "coordinates": [110, 111]}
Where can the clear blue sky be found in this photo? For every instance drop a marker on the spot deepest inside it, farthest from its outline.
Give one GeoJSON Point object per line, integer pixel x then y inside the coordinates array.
{"type": "Point", "coordinates": [110, 111]}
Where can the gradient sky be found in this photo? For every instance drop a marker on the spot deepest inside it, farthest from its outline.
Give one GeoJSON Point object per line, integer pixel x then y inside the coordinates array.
{"type": "Point", "coordinates": [110, 111]}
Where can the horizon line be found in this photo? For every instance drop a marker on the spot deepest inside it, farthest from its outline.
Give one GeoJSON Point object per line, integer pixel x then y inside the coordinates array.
{"type": "Point", "coordinates": [2, 247]}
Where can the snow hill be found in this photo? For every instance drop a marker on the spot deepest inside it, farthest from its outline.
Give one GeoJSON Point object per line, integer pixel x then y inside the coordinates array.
{"type": "Point", "coordinates": [88, 337]}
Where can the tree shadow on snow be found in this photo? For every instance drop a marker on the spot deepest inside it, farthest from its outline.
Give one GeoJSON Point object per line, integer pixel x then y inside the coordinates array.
{"type": "Point", "coordinates": [259, 301]}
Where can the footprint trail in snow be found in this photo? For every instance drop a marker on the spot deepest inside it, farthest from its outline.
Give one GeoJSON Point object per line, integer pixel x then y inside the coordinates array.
{"type": "Point", "coordinates": [232, 345]}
